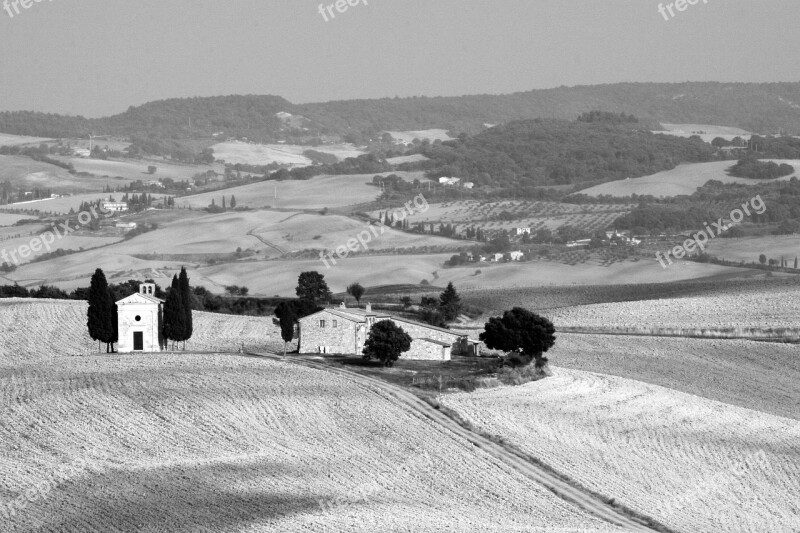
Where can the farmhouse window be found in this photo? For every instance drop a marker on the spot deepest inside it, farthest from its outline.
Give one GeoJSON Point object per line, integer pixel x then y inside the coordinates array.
{"type": "Point", "coordinates": [322, 323]}
{"type": "Point", "coordinates": [334, 324]}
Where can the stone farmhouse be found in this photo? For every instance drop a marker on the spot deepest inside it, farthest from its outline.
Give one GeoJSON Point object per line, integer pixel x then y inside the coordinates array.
{"type": "Point", "coordinates": [139, 321]}
{"type": "Point", "coordinates": [344, 330]}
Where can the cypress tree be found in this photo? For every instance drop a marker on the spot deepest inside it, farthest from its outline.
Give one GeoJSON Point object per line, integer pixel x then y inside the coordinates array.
{"type": "Point", "coordinates": [174, 315]}
{"type": "Point", "coordinates": [450, 303]}
{"type": "Point", "coordinates": [114, 318]}
{"type": "Point", "coordinates": [186, 300]}
{"type": "Point", "coordinates": [100, 314]}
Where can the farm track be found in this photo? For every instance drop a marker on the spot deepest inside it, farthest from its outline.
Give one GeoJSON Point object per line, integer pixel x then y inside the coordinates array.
{"type": "Point", "coordinates": [581, 498]}
{"type": "Point", "coordinates": [279, 249]}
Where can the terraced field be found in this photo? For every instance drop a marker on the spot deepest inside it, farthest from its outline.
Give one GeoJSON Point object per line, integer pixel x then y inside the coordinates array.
{"type": "Point", "coordinates": [185, 442]}
{"type": "Point", "coordinates": [748, 249]}
{"type": "Point", "coordinates": [62, 206]}
{"type": "Point", "coordinates": [7, 139]}
{"type": "Point", "coordinates": [431, 135]}
{"type": "Point", "coordinates": [284, 154]}
{"type": "Point", "coordinates": [132, 170]}
{"type": "Point", "coordinates": [683, 179]}
{"type": "Point", "coordinates": [771, 308]}
{"type": "Point", "coordinates": [314, 193]}
{"type": "Point", "coordinates": [509, 215]}
{"type": "Point", "coordinates": [695, 464]}
{"type": "Point", "coordinates": [751, 374]}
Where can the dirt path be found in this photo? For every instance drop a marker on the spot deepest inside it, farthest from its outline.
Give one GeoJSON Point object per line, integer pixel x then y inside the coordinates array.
{"type": "Point", "coordinates": [585, 500]}
{"type": "Point", "coordinates": [282, 251]}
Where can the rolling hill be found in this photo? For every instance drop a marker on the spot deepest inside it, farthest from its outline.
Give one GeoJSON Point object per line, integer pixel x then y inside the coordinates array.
{"type": "Point", "coordinates": [681, 180]}
{"type": "Point", "coordinates": [695, 464]}
{"type": "Point", "coordinates": [187, 442]}
{"type": "Point", "coordinates": [758, 107]}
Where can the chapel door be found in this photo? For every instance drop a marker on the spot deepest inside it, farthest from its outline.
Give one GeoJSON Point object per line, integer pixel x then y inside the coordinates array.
{"type": "Point", "coordinates": [138, 341]}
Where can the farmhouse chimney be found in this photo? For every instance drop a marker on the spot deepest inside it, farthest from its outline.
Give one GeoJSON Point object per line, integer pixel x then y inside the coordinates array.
{"type": "Point", "coordinates": [369, 307]}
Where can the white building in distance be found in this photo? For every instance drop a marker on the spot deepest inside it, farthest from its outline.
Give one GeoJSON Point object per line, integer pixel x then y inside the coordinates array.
{"type": "Point", "coordinates": [139, 321]}
{"type": "Point", "coordinates": [116, 207]}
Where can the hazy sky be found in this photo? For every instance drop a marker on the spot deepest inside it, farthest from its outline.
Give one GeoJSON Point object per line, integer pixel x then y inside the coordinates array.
{"type": "Point", "coordinates": [97, 57]}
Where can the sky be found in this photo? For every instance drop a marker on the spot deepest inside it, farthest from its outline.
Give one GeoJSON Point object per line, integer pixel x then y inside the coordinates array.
{"type": "Point", "coordinates": [98, 57]}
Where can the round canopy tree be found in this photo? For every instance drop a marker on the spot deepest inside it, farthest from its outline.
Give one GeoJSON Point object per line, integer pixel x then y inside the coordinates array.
{"type": "Point", "coordinates": [522, 331]}
{"type": "Point", "coordinates": [311, 286]}
{"type": "Point", "coordinates": [356, 291]}
{"type": "Point", "coordinates": [386, 342]}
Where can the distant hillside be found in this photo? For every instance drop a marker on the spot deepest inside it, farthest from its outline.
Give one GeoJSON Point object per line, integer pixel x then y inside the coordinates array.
{"type": "Point", "coordinates": [763, 108]}
{"type": "Point", "coordinates": [558, 152]}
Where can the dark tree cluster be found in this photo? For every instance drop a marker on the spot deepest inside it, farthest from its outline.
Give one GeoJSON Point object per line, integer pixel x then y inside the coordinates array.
{"type": "Point", "coordinates": [522, 332]}
{"type": "Point", "coordinates": [557, 152]}
{"type": "Point", "coordinates": [177, 323]}
{"type": "Point", "coordinates": [760, 170]}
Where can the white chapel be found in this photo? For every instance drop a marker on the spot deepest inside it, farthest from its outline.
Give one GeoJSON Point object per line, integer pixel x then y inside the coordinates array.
{"type": "Point", "coordinates": [139, 321]}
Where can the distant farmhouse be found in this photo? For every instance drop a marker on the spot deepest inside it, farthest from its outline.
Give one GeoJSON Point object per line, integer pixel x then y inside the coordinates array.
{"type": "Point", "coordinates": [523, 231]}
{"type": "Point", "coordinates": [344, 330]}
{"type": "Point", "coordinates": [579, 243]}
{"type": "Point", "coordinates": [117, 207]}
{"type": "Point", "coordinates": [623, 236]}
{"type": "Point", "coordinates": [500, 257]}
{"type": "Point", "coordinates": [139, 321]}
{"type": "Point", "coordinates": [449, 181]}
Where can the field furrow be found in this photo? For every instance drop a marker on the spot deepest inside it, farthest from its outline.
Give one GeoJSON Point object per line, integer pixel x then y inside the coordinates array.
{"type": "Point", "coordinates": [694, 464]}
{"type": "Point", "coordinates": [184, 442]}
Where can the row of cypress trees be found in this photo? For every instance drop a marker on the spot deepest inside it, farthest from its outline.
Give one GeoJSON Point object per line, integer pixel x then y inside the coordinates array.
{"type": "Point", "coordinates": [176, 323]}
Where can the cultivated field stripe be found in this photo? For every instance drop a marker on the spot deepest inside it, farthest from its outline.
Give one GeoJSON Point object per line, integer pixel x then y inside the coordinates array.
{"type": "Point", "coordinates": [586, 501]}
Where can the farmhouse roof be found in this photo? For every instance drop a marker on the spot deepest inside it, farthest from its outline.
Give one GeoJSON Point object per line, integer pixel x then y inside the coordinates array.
{"type": "Point", "coordinates": [434, 341]}
{"type": "Point", "coordinates": [353, 315]}
{"type": "Point", "coordinates": [360, 316]}
{"type": "Point", "coordinates": [435, 328]}
{"type": "Point", "coordinates": [138, 296]}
